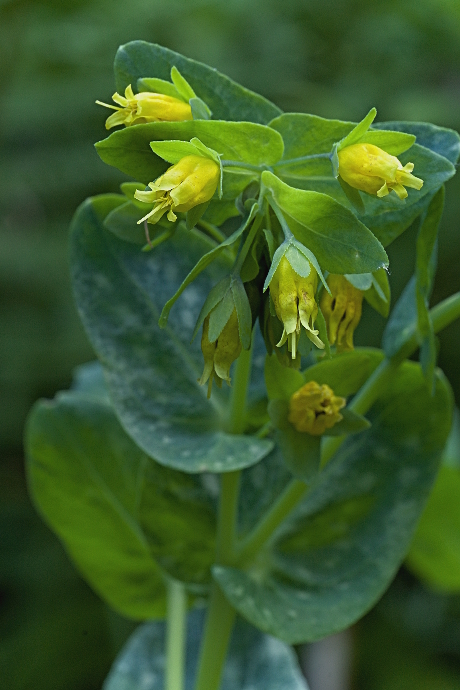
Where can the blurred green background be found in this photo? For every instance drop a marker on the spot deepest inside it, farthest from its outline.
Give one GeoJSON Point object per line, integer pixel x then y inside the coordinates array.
{"type": "Point", "coordinates": [334, 58]}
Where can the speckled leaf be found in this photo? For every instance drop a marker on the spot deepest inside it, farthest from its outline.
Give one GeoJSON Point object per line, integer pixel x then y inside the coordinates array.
{"type": "Point", "coordinates": [84, 474]}
{"type": "Point", "coordinates": [152, 373]}
{"type": "Point", "coordinates": [227, 99]}
{"type": "Point", "coordinates": [254, 662]}
{"type": "Point", "coordinates": [339, 241]}
{"type": "Point", "coordinates": [337, 554]}
{"type": "Point", "coordinates": [129, 149]}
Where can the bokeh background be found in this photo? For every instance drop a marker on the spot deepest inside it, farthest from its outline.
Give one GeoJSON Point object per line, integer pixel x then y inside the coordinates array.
{"type": "Point", "coordinates": [334, 58]}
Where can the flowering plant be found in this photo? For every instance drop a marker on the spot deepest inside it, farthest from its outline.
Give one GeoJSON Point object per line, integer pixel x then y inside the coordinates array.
{"type": "Point", "coordinates": [291, 496]}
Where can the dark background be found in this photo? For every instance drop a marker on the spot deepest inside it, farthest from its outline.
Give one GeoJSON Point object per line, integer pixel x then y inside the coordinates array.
{"type": "Point", "coordinates": [334, 58]}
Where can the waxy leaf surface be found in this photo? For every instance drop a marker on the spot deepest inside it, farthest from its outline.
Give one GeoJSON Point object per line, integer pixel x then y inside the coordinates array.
{"type": "Point", "coordinates": [153, 373]}
{"type": "Point", "coordinates": [226, 99]}
{"type": "Point", "coordinates": [344, 543]}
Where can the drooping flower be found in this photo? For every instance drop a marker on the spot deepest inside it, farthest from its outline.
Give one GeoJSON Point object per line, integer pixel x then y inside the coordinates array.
{"type": "Point", "coordinates": [220, 355]}
{"type": "Point", "coordinates": [136, 109]}
{"type": "Point", "coordinates": [295, 305]}
{"type": "Point", "coordinates": [191, 181]}
{"type": "Point", "coordinates": [341, 310]}
{"type": "Point", "coordinates": [372, 170]}
{"type": "Point", "coordinates": [313, 408]}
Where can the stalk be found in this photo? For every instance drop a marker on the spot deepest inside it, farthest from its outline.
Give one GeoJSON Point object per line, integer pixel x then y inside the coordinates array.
{"type": "Point", "coordinates": [175, 635]}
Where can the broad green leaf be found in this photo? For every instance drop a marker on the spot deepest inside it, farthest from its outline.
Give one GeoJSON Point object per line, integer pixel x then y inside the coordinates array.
{"type": "Point", "coordinates": [227, 99]}
{"type": "Point", "coordinates": [281, 382]}
{"type": "Point", "coordinates": [153, 373]}
{"type": "Point", "coordinates": [341, 548]}
{"type": "Point", "coordinates": [435, 552]}
{"type": "Point", "coordinates": [339, 241]}
{"type": "Point", "coordinates": [307, 135]}
{"type": "Point", "coordinates": [445, 142]}
{"type": "Point", "coordinates": [129, 149]}
{"type": "Point", "coordinates": [254, 661]}
{"type": "Point", "coordinates": [346, 372]}
{"type": "Point", "coordinates": [122, 221]}
{"type": "Point", "coordinates": [84, 477]}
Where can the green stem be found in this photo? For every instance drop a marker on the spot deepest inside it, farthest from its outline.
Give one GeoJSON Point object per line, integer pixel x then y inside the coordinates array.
{"type": "Point", "coordinates": [217, 633]}
{"type": "Point", "coordinates": [301, 159]}
{"type": "Point", "coordinates": [212, 230]}
{"type": "Point", "coordinates": [240, 164]}
{"type": "Point", "coordinates": [221, 614]}
{"type": "Point", "coordinates": [282, 220]}
{"type": "Point", "coordinates": [247, 244]}
{"type": "Point", "coordinates": [175, 635]}
{"type": "Point", "coordinates": [291, 496]}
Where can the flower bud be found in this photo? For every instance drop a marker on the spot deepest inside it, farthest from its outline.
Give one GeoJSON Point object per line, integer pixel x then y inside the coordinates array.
{"type": "Point", "coordinates": [188, 183]}
{"type": "Point", "coordinates": [314, 408]}
{"type": "Point", "coordinates": [372, 170]}
{"type": "Point", "coordinates": [220, 355]}
{"type": "Point", "coordinates": [136, 109]}
{"type": "Point", "coordinates": [294, 301]}
{"type": "Point", "coordinates": [341, 310]}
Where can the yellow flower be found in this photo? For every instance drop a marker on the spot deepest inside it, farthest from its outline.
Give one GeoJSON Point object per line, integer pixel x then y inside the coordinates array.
{"type": "Point", "coordinates": [342, 311]}
{"type": "Point", "coordinates": [191, 181]}
{"type": "Point", "coordinates": [136, 109]}
{"type": "Point", "coordinates": [219, 355]}
{"type": "Point", "coordinates": [294, 301]}
{"type": "Point", "coordinates": [314, 408]}
{"type": "Point", "coordinates": [372, 170]}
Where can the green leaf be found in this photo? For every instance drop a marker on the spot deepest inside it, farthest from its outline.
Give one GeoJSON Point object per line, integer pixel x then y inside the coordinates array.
{"type": "Point", "coordinates": [346, 372]}
{"type": "Point", "coordinates": [173, 151]}
{"type": "Point", "coordinates": [393, 143]}
{"type": "Point", "coordinates": [158, 86]}
{"type": "Point", "coordinates": [243, 312]}
{"type": "Point", "coordinates": [227, 99]}
{"type": "Point", "coordinates": [122, 221]}
{"type": "Point", "coordinates": [129, 189]}
{"type": "Point", "coordinates": [203, 263]}
{"type": "Point", "coordinates": [352, 423]}
{"type": "Point", "coordinates": [359, 131]}
{"type": "Point", "coordinates": [221, 313]}
{"type": "Point", "coordinates": [84, 474]}
{"type": "Point", "coordinates": [445, 142]}
{"type": "Point", "coordinates": [195, 214]}
{"type": "Point", "coordinates": [435, 552]}
{"type": "Point", "coordinates": [379, 294]}
{"type": "Point", "coordinates": [339, 241]}
{"type": "Point", "coordinates": [343, 545]}
{"type": "Point", "coordinates": [181, 84]}
{"type": "Point", "coordinates": [129, 149]}
{"type": "Point", "coordinates": [200, 110]}
{"type": "Point", "coordinates": [152, 374]}
{"type": "Point", "coordinates": [254, 661]}
{"type": "Point", "coordinates": [281, 382]}
{"type": "Point", "coordinates": [361, 281]}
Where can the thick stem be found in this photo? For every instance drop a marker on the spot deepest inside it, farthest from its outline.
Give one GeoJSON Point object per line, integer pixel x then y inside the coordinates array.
{"type": "Point", "coordinates": [212, 230]}
{"type": "Point", "coordinates": [221, 614]}
{"type": "Point", "coordinates": [217, 632]}
{"type": "Point", "coordinates": [291, 496]}
{"type": "Point", "coordinates": [175, 635]}
{"type": "Point", "coordinates": [301, 159]}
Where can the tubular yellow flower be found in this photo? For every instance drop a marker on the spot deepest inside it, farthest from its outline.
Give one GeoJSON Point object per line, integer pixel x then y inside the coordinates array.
{"type": "Point", "coordinates": [219, 355]}
{"type": "Point", "coordinates": [314, 408]}
{"type": "Point", "coordinates": [294, 300]}
{"type": "Point", "coordinates": [136, 109]}
{"type": "Point", "coordinates": [342, 311]}
{"type": "Point", "coordinates": [191, 181]}
{"type": "Point", "coordinates": [372, 170]}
